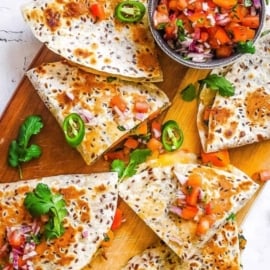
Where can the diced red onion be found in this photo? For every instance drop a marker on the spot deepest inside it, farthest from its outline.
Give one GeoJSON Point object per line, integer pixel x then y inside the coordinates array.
{"type": "Point", "coordinates": [85, 234]}
{"type": "Point", "coordinates": [180, 177]}
{"type": "Point", "coordinates": [176, 210]}
{"type": "Point", "coordinates": [180, 195]}
{"type": "Point", "coordinates": [257, 3]}
{"type": "Point", "coordinates": [29, 255]}
{"type": "Point", "coordinates": [140, 116]}
{"type": "Point", "coordinates": [156, 133]}
{"type": "Point", "coordinates": [253, 11]}
{"type": "Point", "coordinates": [70, 95]}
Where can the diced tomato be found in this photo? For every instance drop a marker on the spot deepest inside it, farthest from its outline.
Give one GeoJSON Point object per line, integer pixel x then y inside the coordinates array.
{"type": "Point", "coordinates": [204, 36]}
{"type": "Point", "coordinates": [194, 180]}
{"type": "Point", "coordinates": [224, 51]}
{"type": "Point", "coordinates": [119, 102]}
{"type": "Point", "coordinates": [221, 36]}
{"type": "Point", "coordinates": [117, 220]}
{"type": "Point", "coordinates": [97, 10]}
{"type": "Point", "coordinates": [154, 144]}
{"type": "Point", "coordinates": [195, 5]}
{"type": "Point", "coordinates": [141, 105]}
{"type": "Point", "coordinates": [156, 129]}
{"type": "Point", "coordinates": [177, 4]}
{"type": "Point", "coordinates": [189, 212]}
{"type": "Point", "coordinates": [251, 21]}
{"type": "Point", "coordinates": [110, 156]}
{"type": "Point", "coordinates": [242, 33]}
{"type": "Point", "coordinates": [131, 143]}
{"type": "Point", "coordinates": [220, 158]}
{"type": "Point", "coordinates": [238, 13]}
{"type": "Point", "coordinates": [170, 30]}
{"type": "Point", "coordinates": [208, 208]}
{"type": "Point", "coordinates": [192, 197]}
{"type": "Point", "coordinates": [199, 19]}
{"type": "Point", "coordinates": [203, 226]}
{"type": "Point", "coordinates": [141, 129]}
{"type": "Point", "coordinates": [16, 238]}
{"type": "Point", "coordinates": [225, 4]}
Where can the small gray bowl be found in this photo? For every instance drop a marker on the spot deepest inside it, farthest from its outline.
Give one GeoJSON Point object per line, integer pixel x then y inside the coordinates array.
{"type": "Point", "coordinates": [210, 64]}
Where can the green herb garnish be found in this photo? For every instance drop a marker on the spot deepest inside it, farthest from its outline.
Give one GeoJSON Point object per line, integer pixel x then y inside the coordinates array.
{"type": "Point", "coordinates": [41, 201]}
{"type": "Point", "coordinates": [188, 93]}
{"type": "Point", "coordinates": [220, 84]}
{"type": "Point", "coordinates": [19, 150]}
{"type": "Point", "coordinates": [245, 47]}
{"type": "Point", "coordinates": [137, 157]}
{"type": "Point", "coordinates": [231, 217]}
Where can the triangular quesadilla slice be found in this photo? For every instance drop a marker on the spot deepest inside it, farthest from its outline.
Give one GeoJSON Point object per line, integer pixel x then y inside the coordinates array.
{"type": "Point", "coordinates": [90, 201]}
{"type": "Point", "coordinates": [244, 118]}
{"type": "Point", "coordinates": [109, 109]}
{"type": "Point", "coordinates": [106, 46]}
{"type": "Point", "coordinates": [220, 252]}
{"type": "Point", "coordinates": [163, 197]}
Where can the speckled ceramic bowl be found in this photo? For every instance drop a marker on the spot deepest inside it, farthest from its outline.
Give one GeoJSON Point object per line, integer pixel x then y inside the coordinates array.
{"type": "Point", "coordinates": [210, 64]}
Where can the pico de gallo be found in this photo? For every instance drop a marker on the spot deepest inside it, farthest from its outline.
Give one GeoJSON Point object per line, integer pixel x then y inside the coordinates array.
{"type": "Point", "coordinates": [200, 30]}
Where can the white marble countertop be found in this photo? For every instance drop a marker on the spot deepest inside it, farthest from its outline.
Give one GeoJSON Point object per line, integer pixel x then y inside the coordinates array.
{"type": "Point", "coordinates": [18, 48]}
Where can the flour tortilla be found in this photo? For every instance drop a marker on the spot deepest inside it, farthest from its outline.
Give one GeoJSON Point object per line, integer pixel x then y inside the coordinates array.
{"type": "Point", "coordinates": [91, 201]}
{"type": "Point", "coordinates": [66, 89]}
{"type": "Point", "coordinates": [243, 118]}
{"type": "Point", "coordinates": [220, 252]}
{"type": "Point", "coordinates": [151, 191]}
{"type": "Point", "coordinates": [103, 47]}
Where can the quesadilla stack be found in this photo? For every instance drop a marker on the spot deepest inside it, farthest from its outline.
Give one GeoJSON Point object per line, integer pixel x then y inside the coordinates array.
{"type": "Point", "coordinates": [220, 252]}
{"type": "Point", "coordinates": [159, 195]}
{"type": "Point", "coordinates": [105, 46]}
{"type": "Point", "coordinates": [243, 118]}
{"type": "Point", "coordinates": [91, 202]}
{"type": "Point", "coordinates": [66, 89]}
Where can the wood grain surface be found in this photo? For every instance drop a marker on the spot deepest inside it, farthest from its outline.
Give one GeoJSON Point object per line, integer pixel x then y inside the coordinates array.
{"type": "Point", "coordinates": [58, 158]}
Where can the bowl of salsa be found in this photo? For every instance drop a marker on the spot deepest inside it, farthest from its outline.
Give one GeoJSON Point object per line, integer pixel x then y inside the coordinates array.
{"type": "Point", "coordinates": [206, 33]}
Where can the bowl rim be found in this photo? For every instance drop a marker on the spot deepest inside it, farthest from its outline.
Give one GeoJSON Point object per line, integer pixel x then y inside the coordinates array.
{"type": "Point", "coordinates": [198, 65]}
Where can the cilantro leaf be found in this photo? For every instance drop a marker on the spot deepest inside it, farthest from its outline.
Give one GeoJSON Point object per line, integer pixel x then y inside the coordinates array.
{"type": "Point", "coordinates": [20, 150]}
{"type": "Point", "coordinates": [118, 166]}
{"type": "Point", "coordinates": [41, 201]}
{"type": "Point", "coordinates": [220, 84]}
{"type": "Point", "coordinates": [31, 126]}
{"type": "Point", "coordinates": [245, 47]}
{"type": "Point", "coordinates": [231, 217]}
{"type": "Point", "coordinates": [188, 93]}
{"type": "Point", "coordinates": [137, 157]}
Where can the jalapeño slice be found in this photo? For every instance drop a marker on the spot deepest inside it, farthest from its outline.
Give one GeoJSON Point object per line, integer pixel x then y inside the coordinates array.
{"type": "Point", "coordinates": [74, 129]}
{"type": "Point", "coordinates": [172, 136]}
{"type": "Point", "coordinates": [130, 11]}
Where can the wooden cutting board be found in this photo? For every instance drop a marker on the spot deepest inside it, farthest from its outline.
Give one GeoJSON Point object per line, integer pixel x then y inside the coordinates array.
{"type": "Point", "coordinates": [58, 158]}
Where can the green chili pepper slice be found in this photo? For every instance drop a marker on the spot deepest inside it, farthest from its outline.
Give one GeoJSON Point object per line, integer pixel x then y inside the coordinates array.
{"type": "Point", "coordinates": [130, 11]}
{"type": "Point", "coordinates": [172, 136]}
{"type": "Point", "coordinates": [74, 129]}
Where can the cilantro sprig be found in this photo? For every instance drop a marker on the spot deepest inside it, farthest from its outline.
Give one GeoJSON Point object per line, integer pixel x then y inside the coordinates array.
{"type": "Point", "coordinates": [19, 150]}
{"type": "Point", "coordinates": [219, 83]}
{"type": "Point", "coordinates": [137, 157]}
{"type": "Point", "coordinates": [41, 201]}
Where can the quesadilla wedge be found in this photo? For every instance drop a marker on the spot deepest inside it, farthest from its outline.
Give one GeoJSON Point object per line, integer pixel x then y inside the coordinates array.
{"type": "Point", "coordinates": [163, 197]}
{"type": "Point", "coordinates": [221, 252]}
{"type": "Point", "coordinates": [105, 46]}
{"type": "Point", "coordinates": [244, 118]}
{"type": "Point", "coordinates": [110, 110]}
{"type": "Point", "coordinates": [91, 202]}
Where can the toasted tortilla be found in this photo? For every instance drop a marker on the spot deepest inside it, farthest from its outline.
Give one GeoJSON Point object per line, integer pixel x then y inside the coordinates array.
{"type": "Point", "coordinates": [106, 47]}
{"type": "Point", "coordinates": [243, 118]}
{"type": "Point", "coordinates": [220, 252]}
{"type": "Point", "coordinates": [66, 89]}
{"type": "Point", "coordinates": [91, 201]}
{"type": "Point", "coordinates": [151, 192]}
